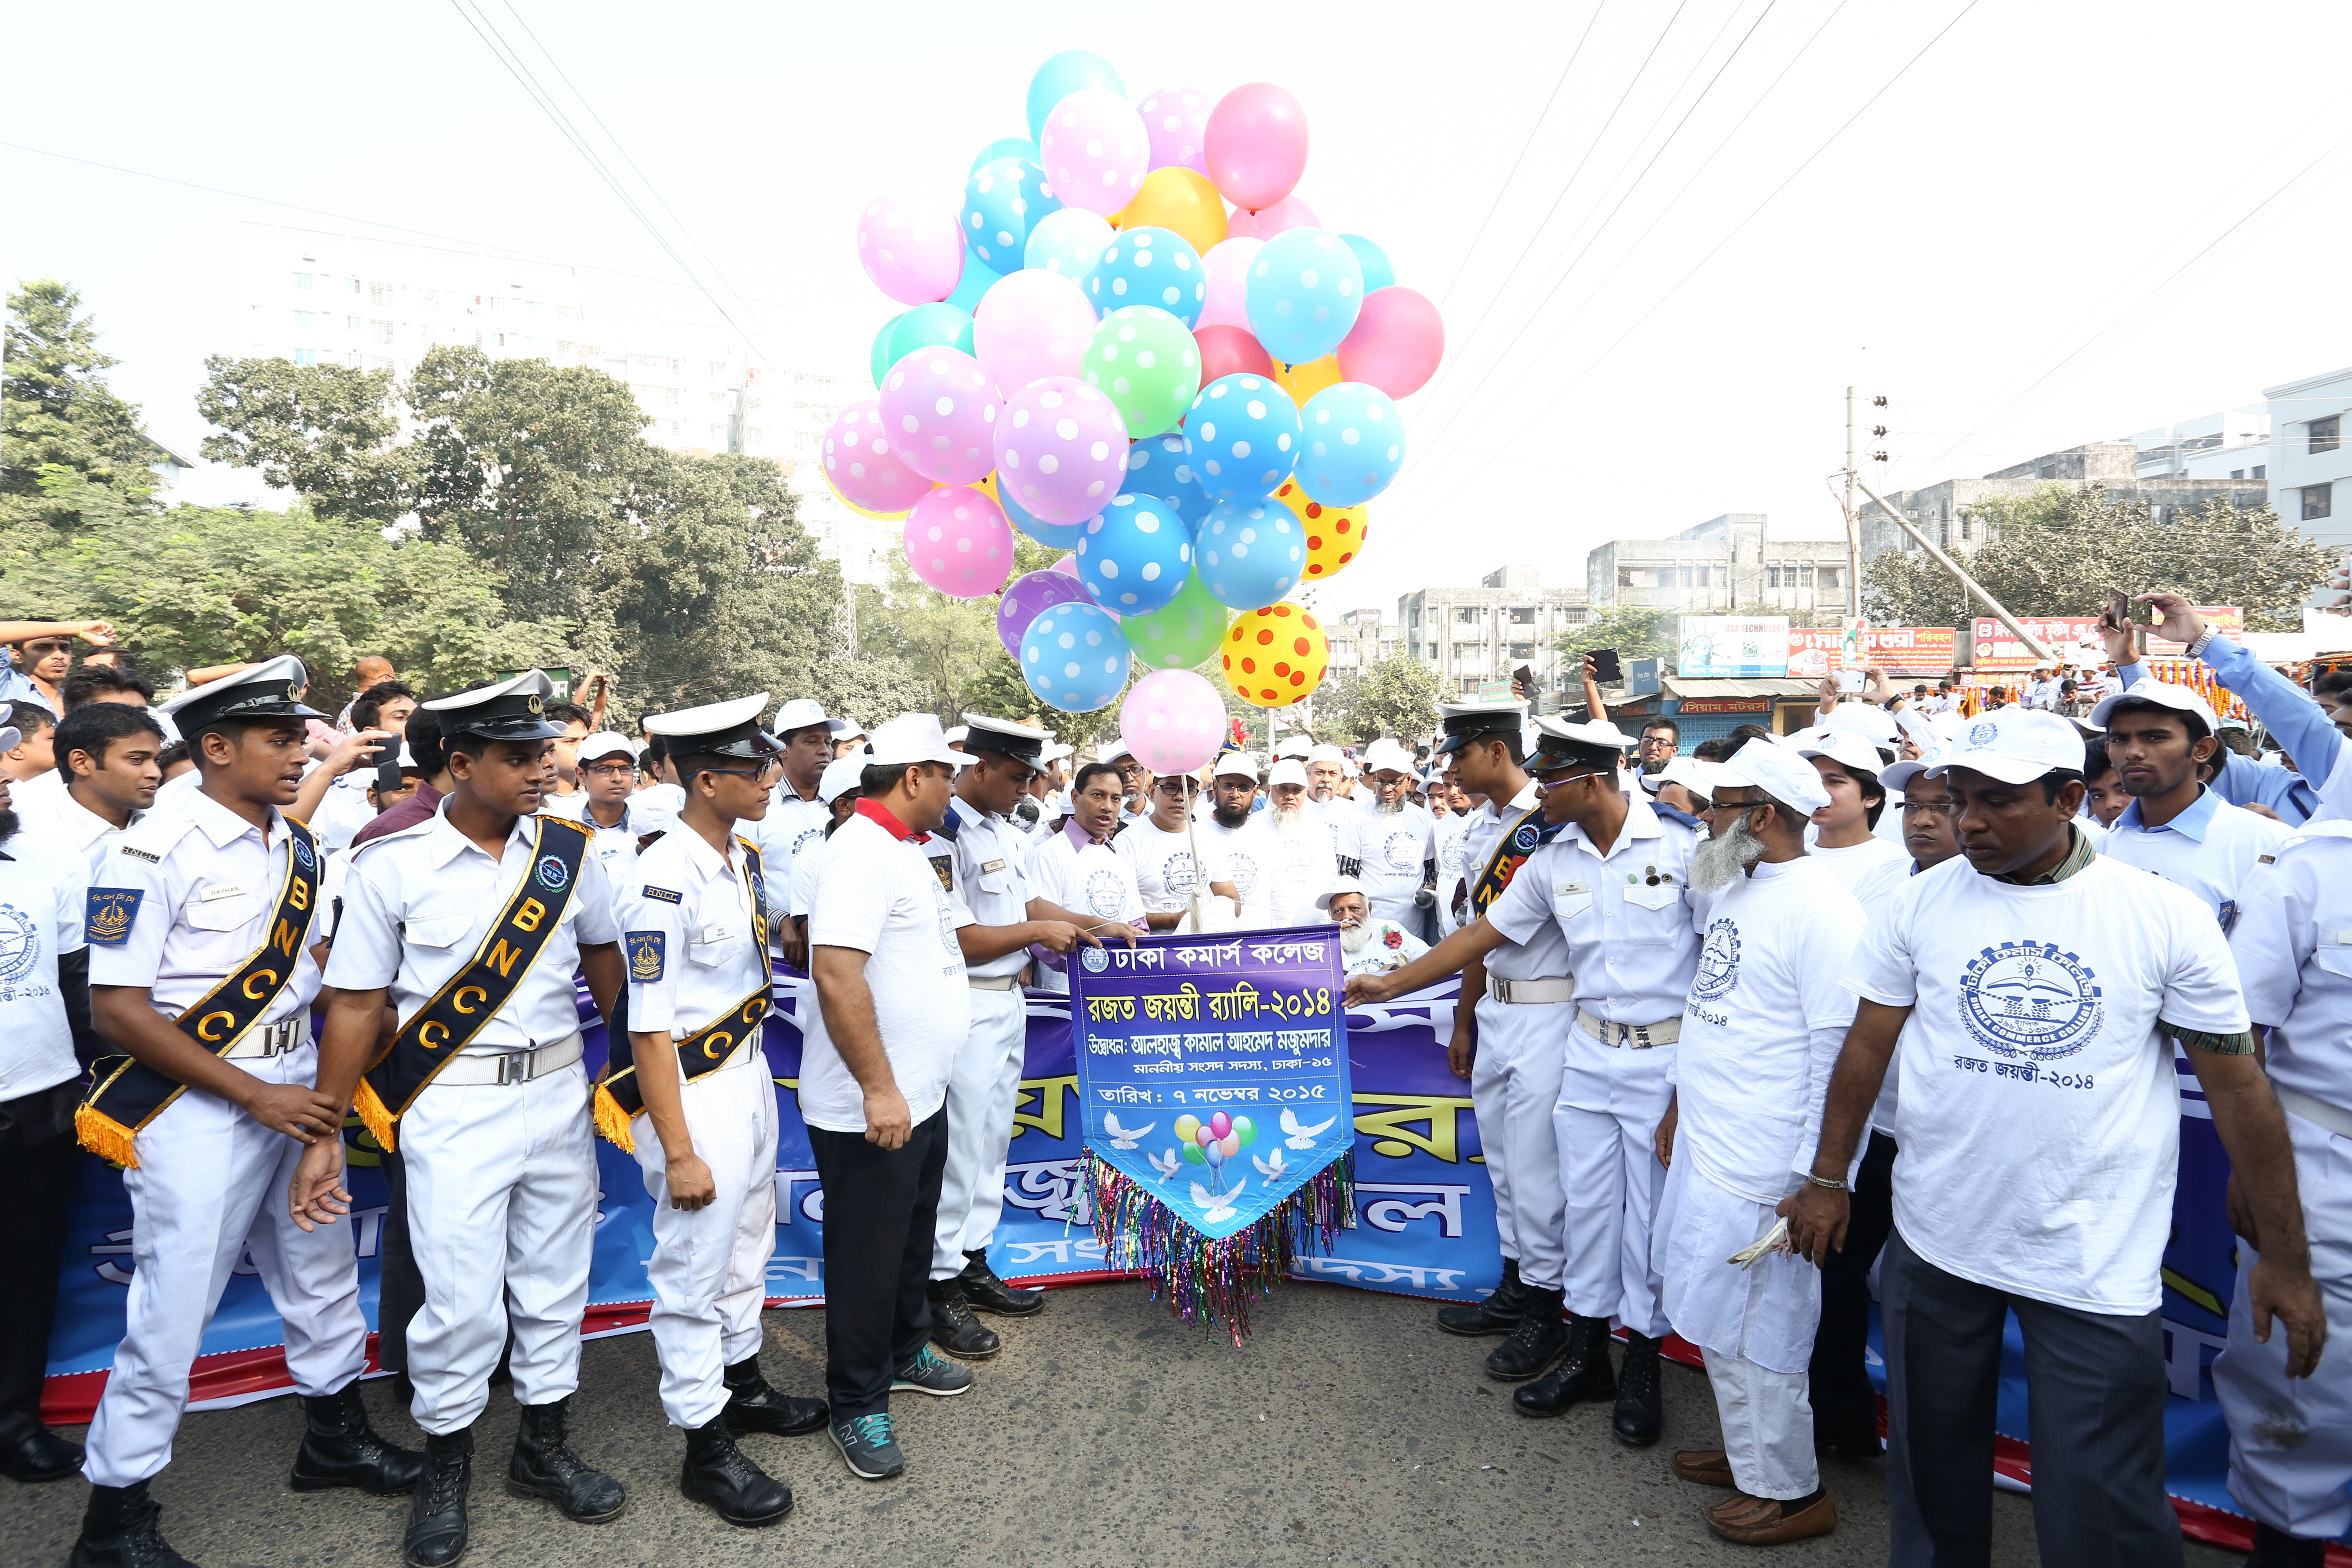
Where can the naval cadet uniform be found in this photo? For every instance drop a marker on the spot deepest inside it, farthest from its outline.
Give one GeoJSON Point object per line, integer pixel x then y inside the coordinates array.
{"type": "Point", "coordinates": [217, 920]}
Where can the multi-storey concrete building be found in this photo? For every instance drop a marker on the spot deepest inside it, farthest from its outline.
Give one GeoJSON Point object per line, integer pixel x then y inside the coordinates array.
{"type": "Point", "coordinates": [1721, 565]}
{"type": "Point", "coordinates": [2174, 477]}
{"type": "Point", "coordinates": [1471, 636]}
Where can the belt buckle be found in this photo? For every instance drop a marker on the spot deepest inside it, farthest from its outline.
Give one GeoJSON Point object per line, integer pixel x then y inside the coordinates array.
{"type": "Point", "coordinates": [515, 1067]}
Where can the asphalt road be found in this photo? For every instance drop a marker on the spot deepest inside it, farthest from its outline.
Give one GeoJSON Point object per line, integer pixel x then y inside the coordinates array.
{"type": "Point", "coordinates": [1345, 1431]}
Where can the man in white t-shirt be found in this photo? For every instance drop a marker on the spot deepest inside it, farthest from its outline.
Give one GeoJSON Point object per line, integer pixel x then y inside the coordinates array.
{"type": "Point", "coordinates": [1847, 840]}
{"type": "Point", "coordinates": [1394, 845]}
{"type": "Point", "coordinates": [893, 1008]}
{"type": "Point", "coordinates": [797, 819]}
{"type": "Point", "coordinates": [1760, 1030]}
{"type": "Point", "coordinates": [1300, 863]}
{"type": "Point", "coordinates": [1234, 836]}
{"type": "Point", "coordinates": [605, 766]}
{"type": "Point", "coordinates": [1158, 851]}
{"type": "Point", "coordinates": [1077, 869]}
{"type": "Point", "coordinates": [2043, 987]}
{"type": "Point", "coordinates": [2173, 826]}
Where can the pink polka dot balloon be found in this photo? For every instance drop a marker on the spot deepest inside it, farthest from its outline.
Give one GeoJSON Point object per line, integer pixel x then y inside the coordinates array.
{"type": "Point", "coordinates": [1030, 324]}
{"type": "Point", "coordinates": [862, 467]}
{"type": "Point", "coordinates": [911, 245]}
{"type": "Point", "coordinates": [1174, 720]}
{"type": "Point", "coordinates": [939, 409]}
{"type": "Point", "coordinates": [1226, 267]}
{"type": "Point", "coordinates": [1062, 447]}
{"type": "Point", "coordinates": [959, 542]}
{"type": "Point", "coordinates": [1175, 119]}
{"type": "Point", "coordinates": [1067, 566]}
{"type": "Point", "coordinates": [1284, 215]}
{"type": "Point", "coordinates": [1096, 151]}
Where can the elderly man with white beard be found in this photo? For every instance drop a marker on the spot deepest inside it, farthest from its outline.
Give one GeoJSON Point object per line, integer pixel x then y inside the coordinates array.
{"type": "Point", "coordinates": [1394, 846]}
{"type": "Point", "coordinates": [1370, 946]}
{"type": "Point", "coordinates": [1761, 1031]}
{"type": "Point", "coordinates": [1298, 864]}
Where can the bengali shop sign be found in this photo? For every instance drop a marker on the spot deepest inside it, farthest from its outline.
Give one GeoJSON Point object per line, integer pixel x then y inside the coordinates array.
{"type": "Point", "coordinates": [1732, 647]}
{"type": "Point", "coordinates": [2074, 639]}
{"type": "Point", "coordinates": [1899, 651]}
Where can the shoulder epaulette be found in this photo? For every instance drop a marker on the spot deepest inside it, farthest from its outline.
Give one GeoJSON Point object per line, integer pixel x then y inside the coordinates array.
{"type": "Point", "coordinates": [2310, 833]}
{"type": "Point", "coordinates": [153, 837]}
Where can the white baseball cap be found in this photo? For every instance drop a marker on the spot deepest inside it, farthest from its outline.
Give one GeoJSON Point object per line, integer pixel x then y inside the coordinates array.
{"type": "Point", "coordinates": [1293, 746]}
{"type": "Point", "coordinates": [1847, 748]}
{"type": "Point", "coordinates": [606, 743]}
{"type": "Point", "coordinates": [1864, 719]}
{"type": "Point", "coordinates": [1054, 752]}
{"type": "Point", "coordinates": [2015, 745]}
{"type": "Point", "coordinates": [806, 712]}
{"type": "Point", "coordinates": [2163, 694]}
{"type": "Point", "coordinates": [841, 773]}
{"type": "Point", "coordinates": [912, 737]}
{"type": "Point", "coordinates": [1119, 748]}
{"type": "Point", "coordinates": [1287, 771]}
{"type": "Point", "coordinates": [1387, 755]}
{"type": "Point", "coordinates": [1338, 885]}
{"type": "Point", "coordinates": [1895, 777]}
{"type": "Point", "coordinates": [1778, 772]}
{"type": "Point", "coordinates": [1693, 774]}
{"type": "Point", "coordinates": [846, 729]}
{"type": "Point", "coordinates": [1237, 765]}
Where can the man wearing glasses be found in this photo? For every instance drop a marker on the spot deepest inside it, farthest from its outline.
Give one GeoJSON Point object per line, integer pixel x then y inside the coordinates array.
{"type": "Point", "coordinates": [43, 652]}
{"type": "Point", "coordinates": [796, 818]}
{"type": "Point", "coordinates": [608, 776]}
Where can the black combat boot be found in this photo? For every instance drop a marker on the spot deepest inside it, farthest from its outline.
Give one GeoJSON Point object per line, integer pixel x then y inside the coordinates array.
{"type": "Point", "coordinates": [1641, 1412]}
{"type": "Point", "coordinates": [544, 1465]}
{"type": "Point", "coordinates": [2277, 1549]}
{"type": "Point", "coordinates": [340, 1449]}
{"type": "Point", "coordinates": [436, 1508]}
{"type": "Point", "coordinates": [985, 1293]}
{"type": "Point", "coordinates": [1582, 1376]}
{"type": "Point", "coordinates": [123, 1528]}
{"type": "Point", "coordinates": [753, 1406]}
{"type": "Point", "coordinates": [1535, 1344]}
{"type": "Point", "coordinates": [722, 1477]}
{"type": "Point", "coordinates": [954, 1328]}
{"type": "Point", "coordinates": [1497, 1315]}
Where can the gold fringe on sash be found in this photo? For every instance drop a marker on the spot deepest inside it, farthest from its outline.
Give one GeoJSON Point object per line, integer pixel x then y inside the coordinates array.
{"type": "Point", "coordinates": [103, 1136]}
{"type": "Point", "coordinates": [612, 1121]}
{"type": "Point", "coordinates": [374, 1113]}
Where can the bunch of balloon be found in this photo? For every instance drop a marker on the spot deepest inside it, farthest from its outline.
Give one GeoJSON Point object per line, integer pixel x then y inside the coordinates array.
{"type": "Point", "coordinates": [1129, 337]}
{"type": "Point", "coordinates": [1212, 1142]}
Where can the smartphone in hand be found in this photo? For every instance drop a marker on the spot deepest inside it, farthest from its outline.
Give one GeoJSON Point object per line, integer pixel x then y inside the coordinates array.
{"type": "Point", "coordinates": [1608, 669]}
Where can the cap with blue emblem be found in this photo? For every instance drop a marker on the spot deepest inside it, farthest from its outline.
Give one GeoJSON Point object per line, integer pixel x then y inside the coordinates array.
{"type": "Point", "coordinates": [270, 689]}
{"type": "Point", "coordinates": [514, 710]}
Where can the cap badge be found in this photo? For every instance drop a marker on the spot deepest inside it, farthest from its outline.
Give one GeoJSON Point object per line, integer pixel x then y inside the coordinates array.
{"type": "Point", "coordinates": [533, 704]}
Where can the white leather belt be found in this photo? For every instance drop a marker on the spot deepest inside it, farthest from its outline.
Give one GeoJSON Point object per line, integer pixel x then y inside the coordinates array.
{"type": "Point", "coordinates": [272, 1039]}
{"type": "Point", "coordinates": [1630, 1036]}
{"type": "Point", "coordinates": [1559, 989]}
{"type": "Point", "coordinates": [994, 982]}
{"type": "Point", "coordinates": [2318, 1113]}
{"type": "Point", "coordinates": [511, 1066]}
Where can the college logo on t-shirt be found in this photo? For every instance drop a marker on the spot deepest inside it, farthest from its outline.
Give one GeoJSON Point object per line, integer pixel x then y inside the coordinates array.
{"type": "Point", "coordinates": [1176, 873]}
{"type": "Point", "coordinates": [1403, 850]}
{"type": "Point", "coordinates": [2028, 998]}
{"type": "Point", "coordinates": [1106, 893]}
{"type": "Point", "coordinates": [20, 943]}
{"type": "Point", "coordinates": [1718, 961]}
{"type": "Point", "coordinates": [1245, 872]}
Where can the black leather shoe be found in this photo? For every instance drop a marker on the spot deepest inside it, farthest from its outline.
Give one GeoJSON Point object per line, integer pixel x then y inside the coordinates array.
{"type": "Point", "coordinates": [954, 1328]}
{"type": "Point", "coordinates": [1640, 1413]}
{"type": "Point", "coordinates": [31, 1453]}
{"type": "Point", "coordinates": [2277, 1549]}
{"type": "Point", "coordinates": [985, 1293]}
{"type": "Point", "coordinates": [1582, 1375]}
{"type": "Point", "coordinates": [544, 1465]}
{"type": "Point", "coordinates": [1854, 1445]}
{"type": "Point", "coordinates": [340, 1449]}
{"type": "Point", "coordinates": [753, 1406]}
{"type": "Point", "coordinates": [1497, 1315]}
{"type": "Point", "coordinates": [436, 1508]}
{"type": "Point", "coordinates": [123, 1528]}
{"type": "Point", "coordinates": [722, 1477]}
{"type": "Point", "coordinates": [1535, 1344]}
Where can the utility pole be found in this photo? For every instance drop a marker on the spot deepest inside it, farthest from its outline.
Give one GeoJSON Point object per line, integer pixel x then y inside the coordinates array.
{"type": "Point", "coordinates": [735, 414]}
{"type": "Point", "coordinates": [2033, 645]}
{"type": "Point", "coordinates": [1853, 524]}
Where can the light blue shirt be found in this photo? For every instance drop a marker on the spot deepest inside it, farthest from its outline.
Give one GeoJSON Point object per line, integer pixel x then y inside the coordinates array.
{"type": "Point", "coordinates": [2207, 850]}
{"type": "Point", "coordinates": [2287, 711]}
{"type": "Point", "coordinates": [16, 686]}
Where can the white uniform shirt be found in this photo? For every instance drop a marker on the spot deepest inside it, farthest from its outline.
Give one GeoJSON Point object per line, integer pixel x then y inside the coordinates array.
{"type": "Point", "coordinates": [38, 796]}
{"type": "Point", "coordinates": [1391, 851]}
{"type": "Point", "coordinates": [1630, 945]}
{"type": "Point", "coordinates": [81, 833]}
{"type": "Point", "coordinates": [42, 897]}
{"type": "Point", "coordinates": [880, 896]}
{"type": "Point", "coordinates": [344, 810]}
{"type": "Point", "coordinates": [1870, 870]}
{"type": "Point", "coordinates": [1161, 864]}
{"type": "Point", "coordinates": [2207, 850]}
{"type": "Point", "coordinates": [1767, 1015]}
{"type": "Point", "coordinates": [691, 939]}
{"type": "Point", "coordinates": [1298, 869]}
{"type": "Point", "coordinates": [615, 846]}
{"type": "Point", "coordinates": [202, 884]}
{"type": "Point", "coordinates": [2041, 1114]}
{"type": "Point", "coordinates": [2294, 950]}
{"type": "Point", "coordinates": [986, 858]}
{"type": "Point", "coordinates": [418, 903]}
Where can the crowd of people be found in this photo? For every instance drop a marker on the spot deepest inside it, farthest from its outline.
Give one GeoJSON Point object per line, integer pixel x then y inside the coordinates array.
{"type": "Point", "coordinates": [1901, 998]}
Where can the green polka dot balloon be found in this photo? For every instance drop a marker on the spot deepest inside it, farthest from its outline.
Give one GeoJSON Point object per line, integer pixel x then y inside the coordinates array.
{"type": "Point", "coordinates": [1147, 363]}
{"type": "Point", "coordinates": [1182, 633]}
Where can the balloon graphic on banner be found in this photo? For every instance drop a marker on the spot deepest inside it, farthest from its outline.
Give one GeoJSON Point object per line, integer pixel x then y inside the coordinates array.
{"type": "Point", "coordinates": [1148, 364]}
{"type": "Point", "coordinates": [1176, 118]}
{"type": "Point", "coordinates": [957, 541]}
{"type": "Point", "coordinates": [1150, 266]}
{"type": "Point", "coordinates": [1354, 440]}
{"type": "Point", "coordinates": [1334, 534]}
{"type": "Point", "coordinates": [1304, 290]}
{"type": "Point", "coordinates": [1028, 596]}
{"type": "Point", "coordinates": [1285, 215]}
{"type": "Point", "coordinates": [1251, 553]}
{"type": "Point", "coordinates": [910, 246]}
{"type": "Point", "coordinates": [1255, 144]}
{"type": "Point", "coordinates": [1032, 324]}
{"type": "Point", "coordinates": [928, 327]}
{"type": "Point", "coordinates": [1063, 75]}
{"type": "Point", "coordinates": [1004, 147]}
{"type": "Point", "coordinates": [1379, 272]}
{"type": "Point", "coordinates": [1095, 149]}
{"type": "Point", "coordinates": [1002, 202]}
{"type": "Point", "coordinates": [1304, 381]}
{"type": "Point", "coordinates": [861, 467]}
{"type": "Point", "coordinates": [1181, 201]}
{"type": "Point", "coordinates": [1070, 243]}
{"type": "Point", "coordinates": [1136, 555]}
{"type": "Point", "coordinates": [1161, 467]}
{"type": "Point", "coordinates": [1225, 269]}
{"type": "Point", "coordinates": [1395, 345]}
{"type": "Point", "coordinates": [939, 408]}
{"type": "Point", "coordinates": [1174, 720]}
{"type": "Point", "coordinates": [1245, 433]}
{"type": "Point", "coordinates": [1187, 629]}
{"type": "Point", "coordinates": [1074, 657]}
{"type": "Point", "coordinates": [1276, 656]}
{"type": "Point", "coordinates": [1230, 350]}
{"type": "Point", "coordinates": [1061, 449]}
{"type": "Point", "coordinates": [1053, 536]}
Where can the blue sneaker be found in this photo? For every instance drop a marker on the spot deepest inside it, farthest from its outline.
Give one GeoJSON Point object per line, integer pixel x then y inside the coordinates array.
{"type": "Point", "coordinates": [933, 1373]}
{"type": "Point", "coordinates": [869, 1448]}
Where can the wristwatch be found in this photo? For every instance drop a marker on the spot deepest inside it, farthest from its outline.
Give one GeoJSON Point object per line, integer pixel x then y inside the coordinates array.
{"type": "Point", "coordinates": [2205, 640]}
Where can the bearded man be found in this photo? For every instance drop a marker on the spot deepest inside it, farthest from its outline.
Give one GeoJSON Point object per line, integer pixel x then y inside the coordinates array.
{"type": "Point", "coordinates": [1297, 865]}
{"type": "Point", "coordinates": [1370, 946]}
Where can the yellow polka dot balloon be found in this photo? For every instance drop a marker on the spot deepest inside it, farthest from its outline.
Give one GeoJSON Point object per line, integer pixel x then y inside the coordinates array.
{"type": "Point", "coordinates": [1334, 534]}
{"type": "Point", "coordinates": [1275, 657]}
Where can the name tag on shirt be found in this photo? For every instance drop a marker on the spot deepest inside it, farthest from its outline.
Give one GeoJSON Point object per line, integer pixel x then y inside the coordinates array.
{"type": "Point", "coordinates": [1561, 888]}
{"type": "Point", "coordinates": [717, 934]}
{"type": "Point", "coordinates": [988, 865]}
{"type": "Point", "coordinates": [221, 891]}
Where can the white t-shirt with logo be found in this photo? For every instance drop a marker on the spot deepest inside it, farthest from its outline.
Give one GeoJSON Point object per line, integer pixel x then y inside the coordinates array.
{"type": "Point", "coordinates": [1161, 864]}
{"type": "Point", "coordinates": [43, 898]}
{"type": "Point", "coordinates": [1245, 855]}
{"type": "Point", "coordinates": [2040, 1122]}
{"type": "Point", "coordinates": [1390, 848]}
{"type": "Point", "coordinates": [1870, 870]}
{"type": "Point", "coordinates": [1094, 881]}
{"type": "Point", "coordinates": [879, 896]}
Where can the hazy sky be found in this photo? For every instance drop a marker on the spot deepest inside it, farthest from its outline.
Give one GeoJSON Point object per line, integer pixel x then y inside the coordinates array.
{"type": "Point", "coordinates": [2065, 222]}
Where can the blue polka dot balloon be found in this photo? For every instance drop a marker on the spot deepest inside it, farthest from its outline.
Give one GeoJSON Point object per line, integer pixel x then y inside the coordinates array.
{"type": "Point", "coordinates": [1160, 467]}
{"type": "Point", "coordinates": [1074, 658]}
{"type": "Point", "coordinates": [1054, 535]}
{"type": "Point", "coordinates": [1354, 441]}
{"type": "Point", "coordinates": [1136, 555]}
{"type": "Point", "coordinates": [1250, 552]}
{"type": "Point", "coordinates": [1303, 293]}
{"type": "Point", "coordinates": [1150, 267]}
{"type": "Point", "coordinates": [1244, 432]}
{"type": "Point", "coordinates": [1002, 202]}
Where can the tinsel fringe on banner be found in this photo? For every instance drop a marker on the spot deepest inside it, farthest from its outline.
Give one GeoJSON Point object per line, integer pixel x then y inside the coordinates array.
{"type": "Point", "coordinates": [1211, 1281]}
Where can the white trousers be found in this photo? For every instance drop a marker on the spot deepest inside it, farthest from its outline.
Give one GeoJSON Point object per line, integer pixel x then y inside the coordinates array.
{"type": "Point", "coordinates": [210, 1185]}
{"type": "Point", "coordinates": [1605, 1123]}
{"type": "Point", "coordinates": [2291, 1442]}
{"type": "Point", "coordinates": [1514, 1086]}
{"type": "Point", "coordinates": [1767, 1313]}
{"type": "Point", "coordinates": [710, 1268]}
{"type": "Point", "coordinates": [1767, 1426]}
{"type": "Point", "coordinates": [502, 1191]}
{"type": "Point", "coordinates": [981, 1092]}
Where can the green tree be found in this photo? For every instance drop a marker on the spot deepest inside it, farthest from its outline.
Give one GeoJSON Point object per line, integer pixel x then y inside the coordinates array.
{"type": "Point", "coordinates": [2057, 551]}
{"type": "Point", "coordinates": [1633, 630]}
{"type": "Point", "coordinates": [324, 431]}
{"type": "Point", "coordinates": [1396, 696]}
{"type": "Point", "coordinates": [69, 448]}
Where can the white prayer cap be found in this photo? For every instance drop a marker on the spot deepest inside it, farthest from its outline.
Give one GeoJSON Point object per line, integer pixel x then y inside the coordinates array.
{"type": "Point", "coordinates": [1327, 754]}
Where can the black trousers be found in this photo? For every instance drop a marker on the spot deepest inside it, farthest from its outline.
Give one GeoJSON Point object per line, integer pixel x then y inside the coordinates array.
{"type": "Point", "coordinates": [1845, 1407]}
{"type": "Point", "coordinates": [2096, 1423]}
{"type": "Point", "coordinates": [38, 1159]}
{"type": "Point", "coordinates": [400, 1286]}
{"type": "Point", "coordinates": [880, 1207]}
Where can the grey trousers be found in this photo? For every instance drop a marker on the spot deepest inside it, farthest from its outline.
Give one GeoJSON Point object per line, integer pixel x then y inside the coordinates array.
{"type": "Point", "coordinates": [2096, 1423]}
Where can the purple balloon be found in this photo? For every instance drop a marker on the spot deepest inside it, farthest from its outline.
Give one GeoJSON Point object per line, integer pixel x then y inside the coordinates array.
{"type": "Point", "coordinates": [1028, 596]}
{"type": "Point", "coordinates": [1061, 448]}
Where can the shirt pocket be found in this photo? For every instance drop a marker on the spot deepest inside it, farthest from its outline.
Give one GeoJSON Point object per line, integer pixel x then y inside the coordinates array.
{"type": "Point", "coordinates": [1571, 900]}
{"type": "Point", "coordinates": [2334, 955]}
{"type": "Point", "coordinates": [709, 946]}
{"type": "Point", "coordinates": [1656, 915]}
{"type": "Point", "coordinates": [437, 928]}
{"type": "Point", "coordinates": [228, 914]}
